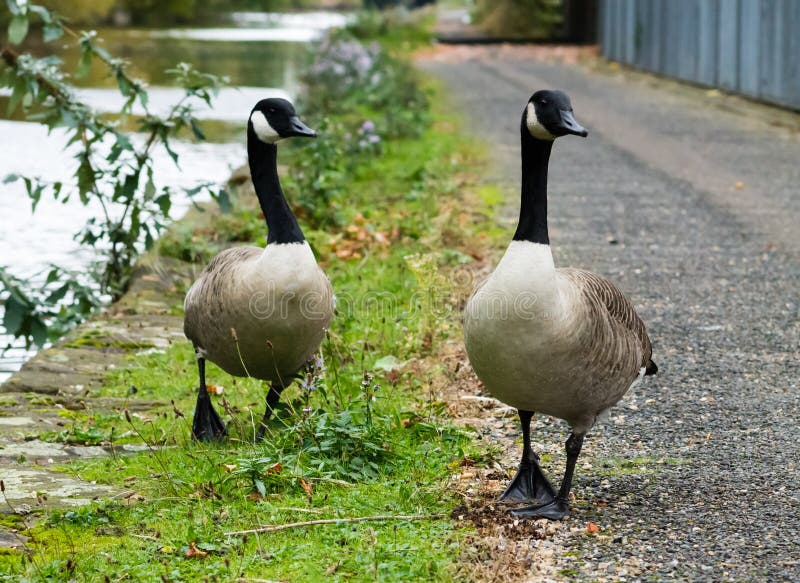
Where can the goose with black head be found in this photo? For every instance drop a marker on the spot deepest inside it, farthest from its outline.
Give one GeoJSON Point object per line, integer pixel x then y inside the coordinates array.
{"type": "Point", "coordinates": [260, 312]}
{"type": "Point", "coordinates": [563, 342]}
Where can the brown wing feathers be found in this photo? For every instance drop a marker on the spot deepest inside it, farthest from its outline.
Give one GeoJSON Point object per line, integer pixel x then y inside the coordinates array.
{"type": "Point", "coordinates": [618, 308]}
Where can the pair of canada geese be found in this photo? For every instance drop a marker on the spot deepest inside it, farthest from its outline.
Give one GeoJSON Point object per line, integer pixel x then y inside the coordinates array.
{"type": "Point", "coordinates": [563, 342]}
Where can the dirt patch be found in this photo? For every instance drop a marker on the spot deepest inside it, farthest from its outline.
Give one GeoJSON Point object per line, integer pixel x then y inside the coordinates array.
{"type": "Point", "coordinates": [498, 547]}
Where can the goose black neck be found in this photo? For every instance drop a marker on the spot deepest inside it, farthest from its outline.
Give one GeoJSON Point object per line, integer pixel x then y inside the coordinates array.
{"type": "Point", "coordinates": [532, 224]}
{"type": "Point", "coordinates": [282, 226]}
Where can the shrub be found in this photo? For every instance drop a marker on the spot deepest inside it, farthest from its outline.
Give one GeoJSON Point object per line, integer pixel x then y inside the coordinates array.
{"type": "Point", "coordinates": [520, 18]}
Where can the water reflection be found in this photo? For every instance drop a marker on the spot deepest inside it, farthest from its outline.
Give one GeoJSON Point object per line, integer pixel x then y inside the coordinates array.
{"type": "Point", "coordinates": [231, 104]}
{"type": "Point", "coordinates": [262, 63]}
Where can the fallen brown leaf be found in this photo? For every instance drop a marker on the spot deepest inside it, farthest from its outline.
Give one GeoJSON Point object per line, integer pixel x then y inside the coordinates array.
{"type": "Point", "coordinates": [193, 551]}
{"type": "Point", "coordinates": [333, 568]}
{"type": "Point", "coordinates": [592, 528]}
{"type": "Point", "coordinates": [308, 487]}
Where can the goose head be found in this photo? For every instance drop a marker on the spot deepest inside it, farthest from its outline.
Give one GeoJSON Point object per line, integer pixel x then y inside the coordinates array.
{"type": "Point", "coordinates": [548, 116]}
{"type": "Point", "coordinates": [275, 119]}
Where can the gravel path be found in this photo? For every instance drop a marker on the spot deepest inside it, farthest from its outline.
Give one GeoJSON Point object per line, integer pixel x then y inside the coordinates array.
{"type": "Point", "coordinates": [694, 476]}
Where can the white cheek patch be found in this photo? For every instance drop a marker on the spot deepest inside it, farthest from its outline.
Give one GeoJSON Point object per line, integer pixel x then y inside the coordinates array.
{"type": "Point", "coordinates": [262, 128]}
{"type": "Point", "coordinates": [536, 129]}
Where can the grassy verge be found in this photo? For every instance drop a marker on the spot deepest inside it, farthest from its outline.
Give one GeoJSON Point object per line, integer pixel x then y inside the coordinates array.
{"type": "Point", "coordinates": [368, 436]}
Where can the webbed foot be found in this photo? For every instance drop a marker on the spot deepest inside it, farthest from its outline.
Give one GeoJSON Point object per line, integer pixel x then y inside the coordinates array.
{"type": "Point", "coordinates": [207, 425]}
{"type": "Point", "coordinates": [529, 484]}
{"type": "Point", "coordinates": [555, 509]}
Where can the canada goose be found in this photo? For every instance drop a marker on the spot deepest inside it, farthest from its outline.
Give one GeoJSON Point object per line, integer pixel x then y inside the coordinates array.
{"type": "Point", "coordinates": [563, 342]}
{"type": "Point", "coordinates": [260, 312]}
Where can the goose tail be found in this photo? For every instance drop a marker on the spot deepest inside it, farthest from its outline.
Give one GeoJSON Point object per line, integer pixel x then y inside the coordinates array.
{"type": "Point", "coordinates": [651, 368]}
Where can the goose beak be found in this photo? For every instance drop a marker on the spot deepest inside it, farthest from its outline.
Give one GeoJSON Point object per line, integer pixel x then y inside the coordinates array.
{"type": "Point", "coordinates": [569, 125]}
{"type": "Point", "coordinates": [299, 129]}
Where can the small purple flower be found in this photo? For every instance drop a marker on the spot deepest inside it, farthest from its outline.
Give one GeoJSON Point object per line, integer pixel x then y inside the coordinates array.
{"type": "Point", "coordinates": [367, 127]}
{"type": "Point", "coordinates": [374, 139]}
{"type": "Point", "coordinates": [308, 383]}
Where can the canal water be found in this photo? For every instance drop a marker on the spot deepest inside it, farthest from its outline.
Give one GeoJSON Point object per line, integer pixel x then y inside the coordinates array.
{"type": "Point", "coordinates": [264, 55]}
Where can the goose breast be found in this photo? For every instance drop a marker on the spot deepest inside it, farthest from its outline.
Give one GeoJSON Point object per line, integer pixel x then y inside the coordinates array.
{"type": "Point", "coordinates": [260, 312]}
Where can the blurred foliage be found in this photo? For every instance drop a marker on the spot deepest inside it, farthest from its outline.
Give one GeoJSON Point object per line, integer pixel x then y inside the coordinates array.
{"type": "Point", "coordinates": [520, 18]}
{"type": "Point", "coordinates": [88, 11]}
{"type": "Point", "coordinates": [394, 28]}
{"type": "Point", "coordinates": [155, 12]}
{"type": "Point", "coordinates": [372, 96]}
{"type": "Point", "coordinates": [112, 173]}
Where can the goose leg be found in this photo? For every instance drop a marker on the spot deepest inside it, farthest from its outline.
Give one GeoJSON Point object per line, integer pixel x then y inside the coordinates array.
{"type": "Point", "coordinates": [529, 483]}
{"type": "Point", "coordinates": [273, 396]}
{"type": "Point", "coordinates": [557, 508]}
{"type": "Point", "coordinates": [207, 425]}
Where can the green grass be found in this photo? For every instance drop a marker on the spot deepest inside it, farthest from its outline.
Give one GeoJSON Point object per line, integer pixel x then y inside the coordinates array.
{"type": "Point", "coordinates": [393, 455]}
{"type": "Point", "coordinates": [396, 30]}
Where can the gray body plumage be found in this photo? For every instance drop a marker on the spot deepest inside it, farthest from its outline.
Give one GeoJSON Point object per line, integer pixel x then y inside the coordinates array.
{"type": "Point", "coordinates": [564, 342]}
{"type": "Point", "coordinates": [260, 312]}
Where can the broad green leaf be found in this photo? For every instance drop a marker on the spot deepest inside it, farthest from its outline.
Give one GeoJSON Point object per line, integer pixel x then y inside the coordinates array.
{"type": "Point", "coordinates": [57, 295]}
{"type": "Point", "coordinates": [43, 13]}
{"type": "Point", "coordinates": [114, 153]}
{"type": "Point", "coordinates": [129, 186]}
{"type": "Point", "coordinates": [52, 275]}
{"type": "Point", "coordinates": [128, 105]}
{"type": "Point", "coordinates": [150, 187]}
{"type": "Point", "coordinates": [124, 85]}
{"type": "Point", "coordinates": [15, 313]}
{"type": "Point", "coordinates": [85, 64]}
{"type": "Point", "coordinates": [164, 203]}
{"type": "Point", "coordinates": [85, 175]}
{"type": "Point", "coordinates": [35, 195]}
{"type": "Point", "coordinates": [198, 133]}
{"type": "Point", "coordinates": [135, 222]}
{"type": "Point", "coordinates": [170, 151]}
{"type": "Point", "coordinates": [20, 90]}
{"type": "Point", "coordinates": [38, 331]}
{"type": "Point", "coordinates": [223, 200]}
{"type": "Point", "coordinates": [17, 29]}
{"type": "Point", "coordinates": [52, 32]}
{"type": "Point", "coordinates": [101, 52]}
